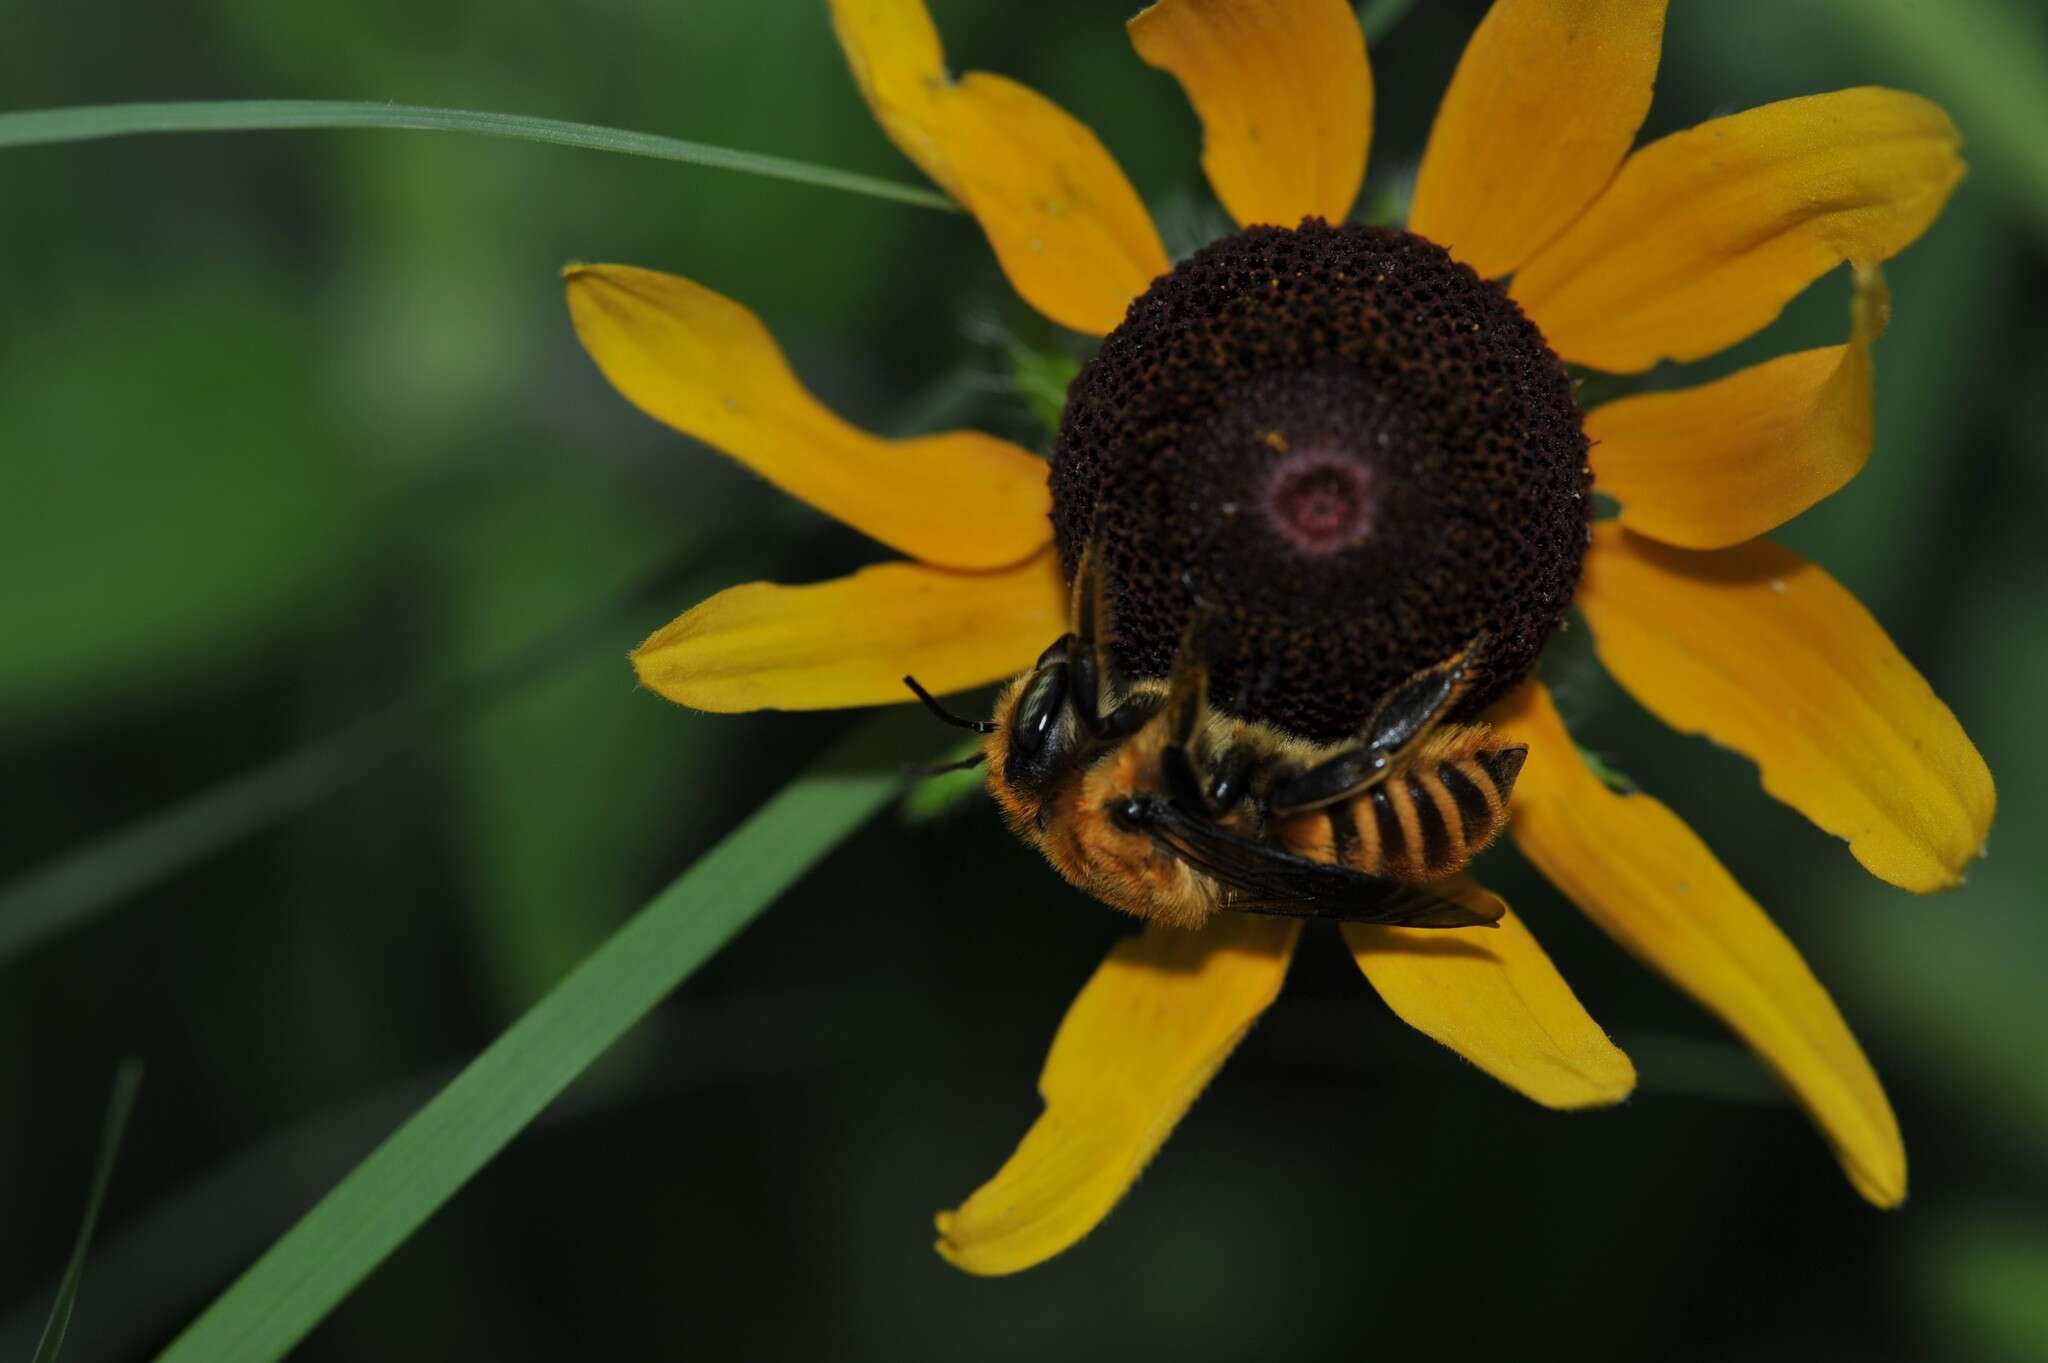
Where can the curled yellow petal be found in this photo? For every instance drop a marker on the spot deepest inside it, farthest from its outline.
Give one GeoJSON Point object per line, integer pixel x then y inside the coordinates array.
{"type": "Point", "coordinates": [1712, 466]}
{"type": "Point", "coordinates": [699, 362]}
{"type": "Point", "coordinates": [1705, 235]}
{"type": "Point", "coordinates": [1144, 1038]}
{"type": "Point", "coordinates": [850, 641]}
{"type": "Point", "coordinates": [1543, 107]}
{"type": "Point", "coordinates": [1764, 653]}
{"type": "Point", "coordinates": [1494, 997]}
{"type": "Point", "coordinates": [1069, 231]}
{"type": "Point", "coordinates": [1284, 95]}
{"type": "Point", "coordinates": [1652, 885]}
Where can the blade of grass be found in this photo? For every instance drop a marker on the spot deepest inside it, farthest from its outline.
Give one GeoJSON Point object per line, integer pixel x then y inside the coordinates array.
{"type": "Point", "coordinates": [427, 1161]}
{"type": "Point", "coordinates": [42, 127]}
{"type": "Point", "coordinates": [1378, 17]}
{"type": "Point", "coordinates": [78, 885]}
{"type": "Point", "coordinates": [127, 1083]}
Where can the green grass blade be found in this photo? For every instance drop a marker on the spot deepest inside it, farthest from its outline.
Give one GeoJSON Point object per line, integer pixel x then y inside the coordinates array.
{"type": "Point", "coordinates": [1986, 61]}
{"type": "Point", "coordinates": [1378, 17]}
{"type": "Point", "coordinates": [42, 127]}
{"type": "Point", "coordinates": [78, 885]}
{"type": "Point", "coordinates": [427, 1161]}
{"type": "Point", "coordinates": [84, 882]}
{"type": "Point", "coordinates": [127, 1083]}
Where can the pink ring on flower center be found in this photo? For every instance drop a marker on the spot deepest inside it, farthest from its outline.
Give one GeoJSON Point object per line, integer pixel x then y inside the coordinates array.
{"type": "Point", "coordinates": [1319, 501]}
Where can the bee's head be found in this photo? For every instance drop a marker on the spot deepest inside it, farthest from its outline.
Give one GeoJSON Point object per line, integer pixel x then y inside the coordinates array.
{"type": "Point", "coordinates": [1036, 736]}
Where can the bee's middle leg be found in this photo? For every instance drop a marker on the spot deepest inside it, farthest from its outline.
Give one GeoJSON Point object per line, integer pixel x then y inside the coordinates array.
{"type": "Point", "coordinates": [1187, 705]}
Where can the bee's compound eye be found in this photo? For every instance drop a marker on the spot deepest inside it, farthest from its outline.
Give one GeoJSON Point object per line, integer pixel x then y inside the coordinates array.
{"type": "Point", "coordinates": [1039, 709]}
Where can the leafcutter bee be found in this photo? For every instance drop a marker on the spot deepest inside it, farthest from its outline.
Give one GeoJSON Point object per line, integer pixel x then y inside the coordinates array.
{"type": "Point", "coordinates": [1159, 804]}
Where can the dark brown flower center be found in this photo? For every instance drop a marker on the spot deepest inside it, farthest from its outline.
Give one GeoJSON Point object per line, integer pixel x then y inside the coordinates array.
{"type": "Point", "coordinates": [1356, 451]}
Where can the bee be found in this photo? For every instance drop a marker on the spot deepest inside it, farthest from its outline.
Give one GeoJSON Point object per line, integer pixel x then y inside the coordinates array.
{"type": "Point", "coordinates": [1158, 804]}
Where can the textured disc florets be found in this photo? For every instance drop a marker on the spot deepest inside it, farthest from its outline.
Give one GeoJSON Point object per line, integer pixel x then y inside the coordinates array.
{"type": "Point", "coordinates": [1350, 449]}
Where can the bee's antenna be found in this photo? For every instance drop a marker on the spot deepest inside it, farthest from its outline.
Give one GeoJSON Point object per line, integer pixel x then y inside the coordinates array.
{"type": "Point", "coordinates": [979, 726]}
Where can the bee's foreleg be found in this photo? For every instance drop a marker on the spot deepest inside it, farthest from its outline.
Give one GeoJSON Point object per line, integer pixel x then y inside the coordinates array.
{"type": "Point", "coordinates": [1187, 703]}
{"type": "Point", "coordinates": [1091, 667]}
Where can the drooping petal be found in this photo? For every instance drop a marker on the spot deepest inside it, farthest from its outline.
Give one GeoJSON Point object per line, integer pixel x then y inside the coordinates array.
{"type": "Point", "coordinates": [700, 362]}
{"type": "Point", "coordinates": [1284, 94]}
{"type": "Point", "coordinates": [1492, 995]}
{"type": "Point", "coordinates": [1706, 234]}
{"type": "Point", "coordinates": [1712, 466]}
{"type": "Point", "coordinates": [848, 642]}
{"type": "Point", "coordinates": [1652, 885]}
{"type": "Point", "coordinates": [1143, 1039]}
{"type": "Point", "coordinates": [1070, 232]}
{"type": "Point", "coordinates": [1764, 653]}
{"type": "Point", "coordinates": [1543, 107]}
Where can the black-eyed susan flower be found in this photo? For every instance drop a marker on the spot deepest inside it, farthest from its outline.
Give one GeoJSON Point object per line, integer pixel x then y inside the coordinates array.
{"type": "Point", "coordinates": [1363, 444]}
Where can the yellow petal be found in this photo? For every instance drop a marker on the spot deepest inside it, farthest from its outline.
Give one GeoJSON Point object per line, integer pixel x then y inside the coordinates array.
{"type": "Point", "coordinates": [1712, 466]}
{"type": "Point", "coordinates": [699, 362]}
{"type": "Point", "coordinates": [1493, 996]}
{"type": "Point", "coordinates": [1544, 105]}
{"type": "Point", "coordinates": [1764, 653]}
{"type": "Point", "coordinates": [1706, 234]}
{"type": "Point", "coordinates": [1284, 95]}
{"type": "Point", "coordinates": [1067, 227]}
{"type": "Point", "coordinates": [1641, 874]}
{"type": "Point", "coordinates": [1146, 1035]}
{"type": "Point", "coordinates": [849, 641]}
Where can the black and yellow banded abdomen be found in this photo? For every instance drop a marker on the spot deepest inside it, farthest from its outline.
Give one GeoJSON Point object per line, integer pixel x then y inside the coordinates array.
{"type": "Point", "coordinates": [1422, 823]}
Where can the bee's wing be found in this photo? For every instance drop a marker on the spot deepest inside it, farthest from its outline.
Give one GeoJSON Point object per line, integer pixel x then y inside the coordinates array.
{"type": "Point", "coordinates": [1266, 879]}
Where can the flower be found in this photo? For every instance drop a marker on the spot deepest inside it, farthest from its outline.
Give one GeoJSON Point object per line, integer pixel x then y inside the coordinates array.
{"type": "Point", "coordinates": [1621, 256]}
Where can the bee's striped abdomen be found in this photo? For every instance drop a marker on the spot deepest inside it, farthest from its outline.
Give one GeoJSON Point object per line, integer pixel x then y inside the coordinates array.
{"type": "Point", "coordinates": [1426, 822]}
{"type": "Point", "coordinates": [1420, 824]}
{"type": "Point", "coordinates": [1392, 831]}
{"type": "Point", "coordinates": [1476, 798]}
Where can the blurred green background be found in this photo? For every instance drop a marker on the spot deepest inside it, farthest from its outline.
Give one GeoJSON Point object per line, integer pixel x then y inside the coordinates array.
{"type": "Point", "coordinates": [293, 431]}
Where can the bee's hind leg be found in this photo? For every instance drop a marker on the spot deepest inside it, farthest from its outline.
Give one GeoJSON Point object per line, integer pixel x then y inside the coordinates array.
{"type": "Point", "coordinates": [1399, 722]}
